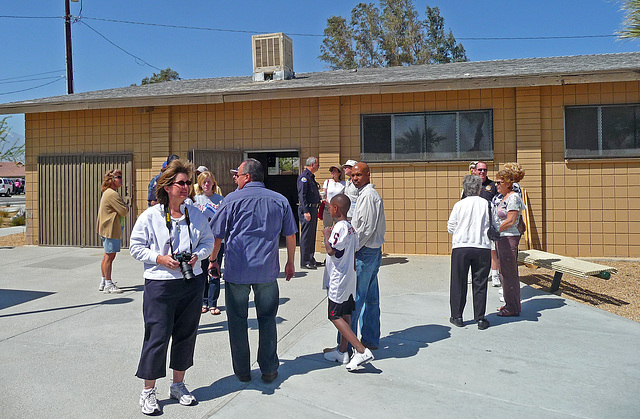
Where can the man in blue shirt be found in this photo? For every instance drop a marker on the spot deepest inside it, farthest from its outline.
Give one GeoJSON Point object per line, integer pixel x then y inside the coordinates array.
{"type": "Point", "coordinates": [151, 195]}
{"type": "Point", "coordinates": [250, 220]}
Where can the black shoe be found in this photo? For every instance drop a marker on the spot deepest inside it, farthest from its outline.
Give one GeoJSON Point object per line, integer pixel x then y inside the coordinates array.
{"type": "Point", "coordinates": [308, 266]}
{"type": "Point", "coordinates": [267, 378]}
{"type": "Point", "coordinates": [245, 378]}
{"type": "Point", "coordinates": [457, 321]}
{"type": "Point", "coordinates": [483, 324]}
{"type": "Point", "coordinates": [319, 263]}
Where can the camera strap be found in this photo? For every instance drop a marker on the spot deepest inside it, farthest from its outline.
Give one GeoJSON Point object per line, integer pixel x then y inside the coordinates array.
{"type": "Point", "coordinates": [169, 226]}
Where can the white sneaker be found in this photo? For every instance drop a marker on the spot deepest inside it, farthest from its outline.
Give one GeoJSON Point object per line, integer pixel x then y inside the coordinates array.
{"type": "Point", "coordinates": [179, 392]}
{"type": "Point", "coordinates": [149, 402]}
{"type": "Point", "coordinates": [101, 287]}
{"type": "Point", "coordinates": [337, 356]}
{"type": "Point", "coordinates": [359, 358]}
{"type": "Point", "coordinates": [500, 291]}
{"type": "Point", "coordinates": [112, 289]}
{"type": "Point", "coordinates": [495, 281]}
{"type": "Point", "coordinates": [469, 278]}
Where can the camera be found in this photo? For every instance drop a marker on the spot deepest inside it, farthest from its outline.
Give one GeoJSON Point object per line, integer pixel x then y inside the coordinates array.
{"type": "Point", "coordinates": [185, 268]}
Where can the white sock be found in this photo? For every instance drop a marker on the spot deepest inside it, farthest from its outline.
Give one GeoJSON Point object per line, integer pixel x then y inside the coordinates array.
{"type": "Point", "coordinates": [102, 279]}
{"type": "Point", "coordinates": [108, 282]}
{"type": "Point", "coordinates": [495, 272]}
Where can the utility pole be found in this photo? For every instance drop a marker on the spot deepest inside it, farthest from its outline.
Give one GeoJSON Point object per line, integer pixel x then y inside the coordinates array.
{"type": "Point", "coordinates": [67, 33]}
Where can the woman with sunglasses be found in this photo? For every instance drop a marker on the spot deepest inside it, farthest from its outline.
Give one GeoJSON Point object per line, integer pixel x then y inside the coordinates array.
{"type": "Point", "coordinates": [110, 224]}
{"type": "Point", "coordinates": [506, 213]}
{"type": "Point", "coordinates": [171, 303]}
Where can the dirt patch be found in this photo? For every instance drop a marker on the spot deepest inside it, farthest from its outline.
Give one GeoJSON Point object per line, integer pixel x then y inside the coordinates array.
{"type": "Point", "coordinates": [13, 240]}
{"type": "Point", "coordinates": [619, 295]}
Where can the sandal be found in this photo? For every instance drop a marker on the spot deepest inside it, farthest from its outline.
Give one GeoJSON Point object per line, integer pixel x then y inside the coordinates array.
{"type": "Point", "coordinates": [215, 311]}
{"type": "Point", "coordinates": [205, 309]}
{"type": "Point", "coordinates": [506, 313]}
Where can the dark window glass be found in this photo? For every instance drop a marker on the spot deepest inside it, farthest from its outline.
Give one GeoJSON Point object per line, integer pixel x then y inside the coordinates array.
{"type": "Point", "coordinates": [377, 130]}
{"type": "Point", "coordinates": [602, 131]}
{"type": "Point", "coordinates": [426, 136]}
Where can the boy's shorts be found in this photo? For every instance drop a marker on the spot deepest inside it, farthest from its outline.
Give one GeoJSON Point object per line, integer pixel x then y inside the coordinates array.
{"type": "Point", "coordinates": [110, 245]}
{"type": "Point", "coordinates": [339, 310]}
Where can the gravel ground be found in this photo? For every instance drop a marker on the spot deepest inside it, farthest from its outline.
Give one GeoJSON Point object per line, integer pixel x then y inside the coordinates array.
{"type": "Point", "coordinates": [619, 295]}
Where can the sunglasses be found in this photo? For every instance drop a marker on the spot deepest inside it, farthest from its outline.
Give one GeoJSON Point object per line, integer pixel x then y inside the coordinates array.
{"type": "Point", "coordinates": [481, 170]}
{"type": "Point", "coordinates": [183, 182]}
{"type": "Point", "coordinates": [117, 177]}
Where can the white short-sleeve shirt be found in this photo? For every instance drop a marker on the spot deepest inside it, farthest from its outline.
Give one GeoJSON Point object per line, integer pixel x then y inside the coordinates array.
{"type": "Point", "coordinates": [340, 271]}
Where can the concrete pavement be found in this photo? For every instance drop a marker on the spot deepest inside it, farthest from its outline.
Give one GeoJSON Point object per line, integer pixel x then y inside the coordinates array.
{"type": "Point", "coordinates": [67, 350]}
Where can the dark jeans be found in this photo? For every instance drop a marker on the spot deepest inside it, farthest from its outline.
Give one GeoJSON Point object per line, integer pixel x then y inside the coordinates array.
{"type": "Point", "coordinates": [480, 262]}
{"type": "Point", "coordinates": [308, 236]}
{"type": "Point", "coordinates": [212, 285]}
{"type": "Point", "coordinates": [171, 310]}
{"type": "Point", "coordinates": [507, 249]}
{"type": "Point", "coordinates": [266, 298]}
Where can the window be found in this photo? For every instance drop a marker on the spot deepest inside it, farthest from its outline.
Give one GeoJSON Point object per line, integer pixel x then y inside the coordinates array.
{"type": "Point", "coordinates": [462, 135]}
{"type": "Point", "coordinates": [602, 131]}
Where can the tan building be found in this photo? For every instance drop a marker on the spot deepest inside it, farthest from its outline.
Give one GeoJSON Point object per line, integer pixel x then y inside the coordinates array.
{"type": "Point", "coordinates": [572, 122]}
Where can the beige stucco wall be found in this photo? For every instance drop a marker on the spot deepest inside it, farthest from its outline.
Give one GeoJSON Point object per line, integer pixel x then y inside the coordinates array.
{"type": "Point", "coordinates": [579, 208]}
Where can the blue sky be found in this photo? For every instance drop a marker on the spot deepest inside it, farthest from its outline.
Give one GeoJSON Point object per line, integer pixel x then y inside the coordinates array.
{"type": "Point", "coordinates": [33, 46]}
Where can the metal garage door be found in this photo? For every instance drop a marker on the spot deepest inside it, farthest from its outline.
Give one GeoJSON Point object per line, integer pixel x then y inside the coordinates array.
{"type": "Point", "coordinates": [69, 197]}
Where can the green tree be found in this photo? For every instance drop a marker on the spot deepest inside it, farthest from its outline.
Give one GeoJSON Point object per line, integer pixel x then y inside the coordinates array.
{"type": "Point", "coordinates": [391, 36]}
{"type": "Point", "coordinates": [337, 45]}
{"type": "Point", "coordinates": [165, 75]}
{"type": "Point", "coordinates": [632, 19]}
{"type": "Point", "coordinates": [9, 151]}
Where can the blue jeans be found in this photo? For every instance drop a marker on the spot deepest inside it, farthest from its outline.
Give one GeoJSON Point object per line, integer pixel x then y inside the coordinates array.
{"type": "Point", "coordinates": [266, 298]}
{"type": "Point", "coordinates": [367, 313]}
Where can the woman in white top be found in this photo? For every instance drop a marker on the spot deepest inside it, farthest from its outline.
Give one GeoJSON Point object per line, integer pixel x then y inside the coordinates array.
{"type": "Point", "coordinates": [468, 223]}
{"type": "Point", "coordinates": [331, 188]}
{"type": "Point", "coordinates": [171, 301]}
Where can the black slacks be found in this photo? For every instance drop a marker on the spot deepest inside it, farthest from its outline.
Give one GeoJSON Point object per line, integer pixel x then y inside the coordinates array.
{"type": "Point", "coordinates": [308, 236]}
{"type": "Point", "coordinates": [480, 262]}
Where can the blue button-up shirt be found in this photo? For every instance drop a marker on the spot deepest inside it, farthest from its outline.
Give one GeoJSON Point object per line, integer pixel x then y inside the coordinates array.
{"type": "Point", "coordinates": [250, 221]}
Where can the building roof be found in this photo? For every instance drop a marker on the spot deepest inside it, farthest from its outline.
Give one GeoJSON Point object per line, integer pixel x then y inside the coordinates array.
{"type": "Point", "coordinates": [429, 77]}
{"type": "Point", "coordinates": [12, 169]}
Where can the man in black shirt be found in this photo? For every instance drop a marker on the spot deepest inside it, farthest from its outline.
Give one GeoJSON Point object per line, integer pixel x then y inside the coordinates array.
{"type": "Point", "coordinates": [309, 200]}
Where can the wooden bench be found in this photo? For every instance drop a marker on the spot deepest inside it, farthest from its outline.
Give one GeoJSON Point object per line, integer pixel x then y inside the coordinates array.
{"type": "Point", "coordinates": [564, 264]}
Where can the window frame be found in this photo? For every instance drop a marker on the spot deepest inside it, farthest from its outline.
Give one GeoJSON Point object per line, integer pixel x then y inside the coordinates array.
{"type": "Point", "coordinates": [487, 155]}
{"type": "Point", "coordinates": [601, 152]}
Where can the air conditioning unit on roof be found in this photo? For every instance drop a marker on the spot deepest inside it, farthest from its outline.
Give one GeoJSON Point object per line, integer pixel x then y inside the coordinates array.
{"type": "Point", "coordinates": [272, 57]}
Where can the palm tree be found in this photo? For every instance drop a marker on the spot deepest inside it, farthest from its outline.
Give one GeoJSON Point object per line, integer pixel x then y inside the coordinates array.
{"type": "Point", "coordinates": [632, 20]}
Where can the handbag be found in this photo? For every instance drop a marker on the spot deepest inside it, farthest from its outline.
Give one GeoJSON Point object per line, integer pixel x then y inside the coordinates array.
{"type": "Point", "coordinates": [321, 210]}
{"type": "Point", "coordinates": [522, 227]}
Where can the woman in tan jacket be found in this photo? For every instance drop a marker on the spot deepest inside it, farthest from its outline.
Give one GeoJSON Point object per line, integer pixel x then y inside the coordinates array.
{"type": "Point", "coordinates": [109, 225]}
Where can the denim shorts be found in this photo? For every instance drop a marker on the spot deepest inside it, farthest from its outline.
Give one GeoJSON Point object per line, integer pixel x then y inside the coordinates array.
{"type": "Point", "coordinates": [110, 245]}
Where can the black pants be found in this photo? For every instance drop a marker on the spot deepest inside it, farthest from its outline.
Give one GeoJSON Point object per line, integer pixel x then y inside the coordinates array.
{"type": "Point", "coordinates": [480, 262]}
{"type": "Point", "coordinates": [308, 236]}
{"type": "Point", "coordinates": [171, 310]}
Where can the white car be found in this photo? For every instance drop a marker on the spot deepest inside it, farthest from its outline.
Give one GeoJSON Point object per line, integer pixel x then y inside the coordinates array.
{"type": "Point", "coordinates": [6, 187]}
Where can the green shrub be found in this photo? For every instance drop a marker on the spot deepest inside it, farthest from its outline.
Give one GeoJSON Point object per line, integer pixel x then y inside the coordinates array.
{"type": "Point", "coordinates": [18, 221]}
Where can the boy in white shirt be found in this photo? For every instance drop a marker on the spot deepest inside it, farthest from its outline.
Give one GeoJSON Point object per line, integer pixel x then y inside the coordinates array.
{"type": "Point", "coordinates": [341, 243]}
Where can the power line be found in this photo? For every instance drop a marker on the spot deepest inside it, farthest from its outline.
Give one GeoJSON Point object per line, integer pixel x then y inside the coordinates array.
{"type": "Point", "coordinates": [32, 88]}
{"type": "Point", "coordinates": [26, 80]}
{"type": "Point", "coordinates": [200, 28]}
{"type": "Point", "coordinates": [120, 48]}
{"type": "Point", "coordinates": [31, 75]}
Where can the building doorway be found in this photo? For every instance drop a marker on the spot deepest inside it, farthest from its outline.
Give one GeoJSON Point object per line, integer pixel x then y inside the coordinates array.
{"type": "Point", "coordinates": [282, 168]}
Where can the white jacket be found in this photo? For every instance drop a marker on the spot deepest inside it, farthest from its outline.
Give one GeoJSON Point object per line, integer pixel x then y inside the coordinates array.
{"type": "Point", "coordinates": [150, 239]}
{"type": "Point", "coordinates": [469, 222]}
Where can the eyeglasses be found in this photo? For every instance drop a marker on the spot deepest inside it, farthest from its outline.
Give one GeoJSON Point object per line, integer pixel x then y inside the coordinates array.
{"type": "Point", "coordinates": [183, 182]}
{"type": "Point", "coordinates": [117, 177]}
{"type": "Point", "coordinates": [497, 182]}
{"type": "Point", "coordinates": [481, 170]}
{"type": "Point", "coordinates": [242, 174]}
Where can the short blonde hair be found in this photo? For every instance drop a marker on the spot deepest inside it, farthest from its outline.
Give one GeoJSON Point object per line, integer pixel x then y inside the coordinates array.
{"type": "Point", "coordinates": [108, 178]}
